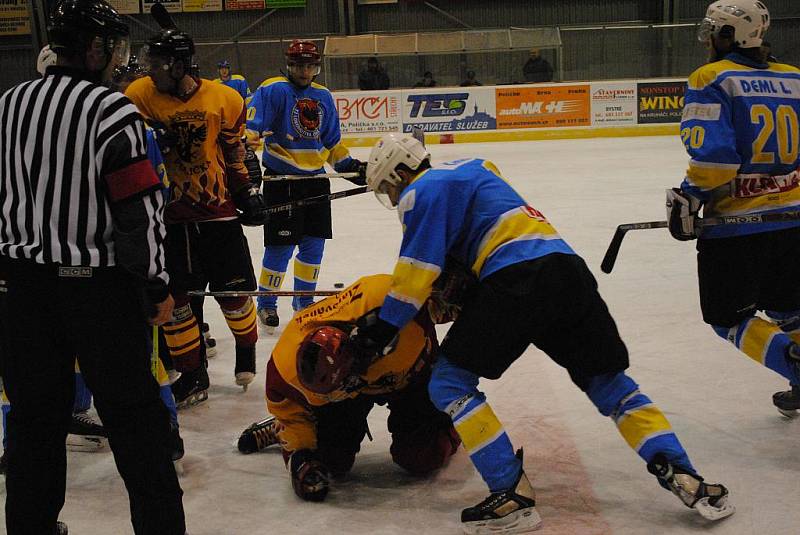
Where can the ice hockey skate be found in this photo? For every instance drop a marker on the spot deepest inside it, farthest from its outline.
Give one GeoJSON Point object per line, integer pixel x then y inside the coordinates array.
{"type": "Point", "coordinates": [3, 463]}
{"type": "Point", "coordinates": [268, 319]}
{"type": "Point", "coordinates": [788, 401]}
{"type": "Point", "coordinates": [245, 370]}
{"type": "Point", "coordinates": [191, 388]}
{"type": "Point", "coordinates": [509, 511]}
{"type": "Point", "coordinates": [259, 436]}
{"type": "Point", "coordinates": [209, 341]}
{"type": "Point", "coordinates": [708, 499]}
{"type": "Point", "coordinates": [85, 434]}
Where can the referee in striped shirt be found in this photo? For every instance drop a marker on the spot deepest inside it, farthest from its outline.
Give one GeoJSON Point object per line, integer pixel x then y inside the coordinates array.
{"type": "Point", "coordinates": [81, 274]}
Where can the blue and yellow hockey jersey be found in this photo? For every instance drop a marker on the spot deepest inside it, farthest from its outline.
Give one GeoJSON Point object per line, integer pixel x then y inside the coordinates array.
{"type": "Point", "coordinates": [237, 82]}
{"type": "Point", "coordinates": [740, 126]}
{"type": "Point", "coordinates": [465, 209]}
{"type": "Point", "coordinates": [300, 127]}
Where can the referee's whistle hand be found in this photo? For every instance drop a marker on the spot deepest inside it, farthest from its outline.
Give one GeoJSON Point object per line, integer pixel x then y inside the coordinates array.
{"type": "Point", "coordinates": [163, 311]}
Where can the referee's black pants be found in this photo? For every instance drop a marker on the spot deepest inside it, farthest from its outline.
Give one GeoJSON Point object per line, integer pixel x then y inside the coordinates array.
{"type": "Point", "coordinates": [47, 319]}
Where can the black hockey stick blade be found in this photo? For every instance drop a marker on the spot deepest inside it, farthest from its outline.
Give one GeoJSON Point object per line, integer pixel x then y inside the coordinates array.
{"type": "Point", "coordinates": [610, 257]}
{"type": "Point", "coordinates": [418, 134]}
{"type": "Point", "coordinates": [162, 17]}
{"type": "Point", "coordinates": [283, 207]}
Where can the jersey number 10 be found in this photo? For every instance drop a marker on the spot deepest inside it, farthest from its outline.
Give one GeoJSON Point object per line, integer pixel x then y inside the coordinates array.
{"type": "Point", "coordinates": [783, 121]}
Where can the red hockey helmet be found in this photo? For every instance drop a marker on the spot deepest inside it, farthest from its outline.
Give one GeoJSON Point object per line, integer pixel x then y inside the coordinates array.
{"type": "Point", "coordinates": [303, 52]}
{"type": "Point", "coordinates": [324, 360]}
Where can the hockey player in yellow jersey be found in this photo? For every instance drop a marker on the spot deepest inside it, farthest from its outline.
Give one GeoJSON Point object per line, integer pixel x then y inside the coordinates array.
{"type": "Point", "coordinates": [740, 127]}
{"type": "Point", "coordinates": [210, 198]}
{"type": "Point", "coordinates": [320, 401]}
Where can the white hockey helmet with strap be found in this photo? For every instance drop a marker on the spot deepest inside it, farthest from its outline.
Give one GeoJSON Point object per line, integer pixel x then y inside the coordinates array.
{"type": "Point", "coordinates": [391, 151]}
{"type": "Point", "coordinates": [748, 18]}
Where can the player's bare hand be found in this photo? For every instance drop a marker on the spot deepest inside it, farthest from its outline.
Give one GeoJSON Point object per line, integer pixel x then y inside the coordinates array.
{"type": "Point", "coordinates": [163, 311]}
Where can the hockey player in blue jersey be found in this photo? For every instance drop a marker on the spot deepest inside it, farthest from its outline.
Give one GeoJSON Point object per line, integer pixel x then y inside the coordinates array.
{"type": "Point", "coordinates": [235, 81]}
{"type": "Point", "coordinates": [531, 288]}
{"type": "Point", "coordinates": [298, 122]}
{"type": "Point", "coordinates": [740, 127]}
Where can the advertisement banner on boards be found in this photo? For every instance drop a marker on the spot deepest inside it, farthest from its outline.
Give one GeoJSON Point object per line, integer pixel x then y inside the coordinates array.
{"type": "Point", "coordinates": [614, 104]}
{"type": "Point", "coordinates": [14, 18]}
{"type": "Point", "coordinates": [449, 110]}
{"type": "Point", "coordinates": [660, 102]}
{"type": "Point", "coordinates": [173, 6]}
{"type": "Point", "coordinates": [363, 112]}
{"type": "Point", "coordinates": [234, 5]}
{"type": "Point", "coordinates": [125, 7]}
{"type": "Point", "coordinates": [202, 5]}
{"type": "Point", "coordinates": [543, 106]}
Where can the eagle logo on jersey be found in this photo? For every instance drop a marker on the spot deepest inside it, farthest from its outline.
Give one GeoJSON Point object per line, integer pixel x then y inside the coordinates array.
{"type": "Point", "coordinates": [307, 117]}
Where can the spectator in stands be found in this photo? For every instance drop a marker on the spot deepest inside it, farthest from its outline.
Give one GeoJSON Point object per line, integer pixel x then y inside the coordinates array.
{"type": "Point", "coordinates": [372, 76]}
{"type": "Point", "coordinates": [426, 81]}
{"type": "Point", "coordinates": [537, 69]}
{"type": "Point", "coordinates": [470, 80]}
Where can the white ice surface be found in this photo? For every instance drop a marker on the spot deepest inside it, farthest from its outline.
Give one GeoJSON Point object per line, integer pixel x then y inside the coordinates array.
{"type": "Point", "coordinates": [587, 478]}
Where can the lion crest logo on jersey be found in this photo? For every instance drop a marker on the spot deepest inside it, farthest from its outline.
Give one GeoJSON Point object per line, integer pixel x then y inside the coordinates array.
{"type": "Point", "coordinates": [307, 115]}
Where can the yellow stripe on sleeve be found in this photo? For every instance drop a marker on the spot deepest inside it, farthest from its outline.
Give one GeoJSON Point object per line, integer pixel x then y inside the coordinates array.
{"type": "Point", "coordinates": [708, 176]}
{"type": "Point", "coordinates": [513, 225]}
{"type": "Point", "coordinates": [412, 280]}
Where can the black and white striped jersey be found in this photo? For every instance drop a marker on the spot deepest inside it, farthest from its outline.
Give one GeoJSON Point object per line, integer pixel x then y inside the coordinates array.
{"type": "Point", "coordinates": [76, 187]}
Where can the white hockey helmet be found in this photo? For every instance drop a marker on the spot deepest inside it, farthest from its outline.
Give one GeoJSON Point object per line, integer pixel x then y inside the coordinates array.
{"type": "Point", "coordinates": [46, 58]}
{"type": "Point", "coordinates": [748, 18]}
{"type": "Point", "coordinates": [391, 151]}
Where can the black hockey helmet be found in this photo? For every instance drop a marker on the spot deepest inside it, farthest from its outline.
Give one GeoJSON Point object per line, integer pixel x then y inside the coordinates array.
{"type": "Point", "coordinates": [75, 23]}
{"type": "Point", "coordinates": [173, 44]}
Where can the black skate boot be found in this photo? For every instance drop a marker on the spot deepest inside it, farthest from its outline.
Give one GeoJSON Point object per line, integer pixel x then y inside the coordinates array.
{"type": "Point", "coordinates": [85, 434]}
{"type": "Point", "coordinates": [708, 499]}
{"type": "Point", "coordinates": [259, 436]}
{"type": "Point", "coordinates": [245, 370]}
{"type": "Point", "coordinates": [3, 463]}
{"type": "Point", "coordinates": [787, 402]}
{"type": "Point", "coordinates": [208, 340]}
{"type": "Point", "coordinates": [268, 318]}
{"type": "Point", "coordinates": [191, 388]}
{"type": "Point", "coordinates": [509, 511]}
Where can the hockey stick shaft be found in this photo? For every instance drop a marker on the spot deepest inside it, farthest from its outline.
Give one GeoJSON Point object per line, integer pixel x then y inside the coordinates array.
{"type": "Point", "coordinates": [279, 178]}
{"type": "Point", "coordinates": [610, 258]}
{"type": "Point", "coordinates": [264, 293]}
{"type": "Point", "coordinates": [283, 207]}
{"type": "Point", "coordinates": [162, 17]}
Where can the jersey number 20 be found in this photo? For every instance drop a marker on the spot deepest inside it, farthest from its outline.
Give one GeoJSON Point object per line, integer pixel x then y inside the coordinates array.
{"type": "Point", "coordinates": [785, 119]}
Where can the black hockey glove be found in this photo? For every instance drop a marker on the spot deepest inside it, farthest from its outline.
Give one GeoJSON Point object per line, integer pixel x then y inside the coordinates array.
{"type": "Point", "coordinates": [310, 478]}
{"type": "Point", "coordinates": [372, 339]}
{"type": "Point", "coordinates": [253, 168]}
{"type": "Point", "coordinates": [166, 139]}
{"type": "Point", "coordinates": [356, 166]}
{"type": "Point", "coordinates": [682, 210]}
{"type": "Point", "coordinates": [250, 205]}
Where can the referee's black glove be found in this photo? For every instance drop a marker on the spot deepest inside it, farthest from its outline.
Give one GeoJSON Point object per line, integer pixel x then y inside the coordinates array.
{"type": "Point", "coordinates": [372, 339]}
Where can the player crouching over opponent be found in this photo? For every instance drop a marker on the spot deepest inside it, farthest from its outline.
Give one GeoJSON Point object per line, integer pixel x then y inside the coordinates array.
{"type": "Point", "coordinates": [321, 400]}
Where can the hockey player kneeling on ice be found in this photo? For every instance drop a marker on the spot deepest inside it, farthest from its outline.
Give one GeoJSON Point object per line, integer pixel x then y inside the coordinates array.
{"type": "Point", "coordinates": [532, 289]}
{"type": "Point", "coordinates": [321, 399]}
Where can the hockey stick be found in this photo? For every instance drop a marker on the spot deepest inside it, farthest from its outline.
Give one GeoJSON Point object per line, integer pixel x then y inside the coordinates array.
{"type": "Point", "coordinates": [278, 208]}
{"type": "Point", "coordinates": [162, 17]}
{"type": "Point", "coordinates": [610, 257]}
{"type": "Point", "coordinates": [276, 178]}
{"type": "Point", "coordinates": [260, 293]}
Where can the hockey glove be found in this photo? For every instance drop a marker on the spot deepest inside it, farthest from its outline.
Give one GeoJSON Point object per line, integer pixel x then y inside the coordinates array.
{"type": "Point", "coordinates": [310, 478]}
{"type": "Point", "coordinates": [250, 205]}
{"type": "Point", "coordinates": [253, 168]}
{"type": "Point", "coordinates": [356, 166]}
{"type": "Point", "coordinates": [166, 139]}
{"type": "Point", "coordinates": [682, 209]}
{"type": "Point", "coordinates": [372, 339]}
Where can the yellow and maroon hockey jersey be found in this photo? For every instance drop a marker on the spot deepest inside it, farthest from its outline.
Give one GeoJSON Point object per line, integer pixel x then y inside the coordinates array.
{"type": "Point", "coordinates": [205, 166]}
{"type": "Point", "coordinates": [292, 404]}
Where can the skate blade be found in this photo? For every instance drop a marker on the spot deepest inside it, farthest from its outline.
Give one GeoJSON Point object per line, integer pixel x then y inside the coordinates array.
{"type": "Point", "coordinates": [245, 378]}
{"type": "Point", "coordinates": [721, 510]}
{"type": "Point", "coordinates": [521, 521]}
{"type": "Point", "coordinates": [85, 443]}
{"type": "Point", "coordinates": [789, 413]}
{"type": "Point", "coordinates": [195, 399]}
